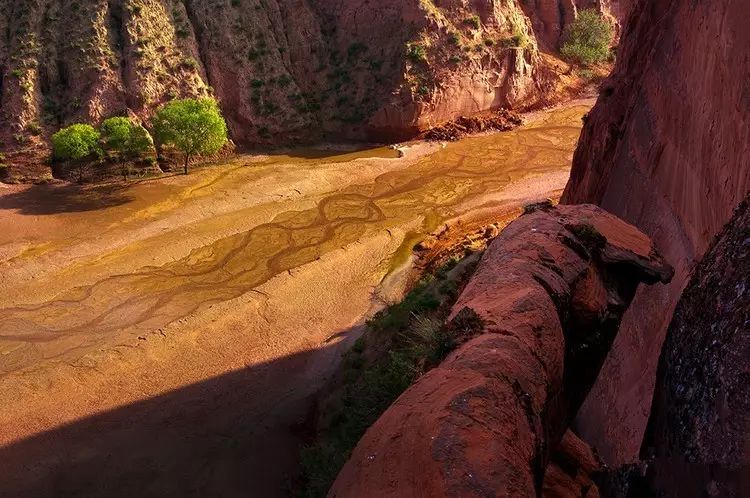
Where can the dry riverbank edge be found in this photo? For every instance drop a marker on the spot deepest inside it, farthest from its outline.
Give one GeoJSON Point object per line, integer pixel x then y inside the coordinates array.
{"type": "Point", "coordinates": [205, 402]}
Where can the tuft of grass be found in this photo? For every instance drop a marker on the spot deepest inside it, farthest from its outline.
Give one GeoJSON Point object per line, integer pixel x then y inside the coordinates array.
{"type": "Point", "coordinates": [473, 22]}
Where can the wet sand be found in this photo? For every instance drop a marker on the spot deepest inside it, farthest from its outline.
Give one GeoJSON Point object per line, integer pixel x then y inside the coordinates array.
{"type": "Point", "coordinates": [160, 338]}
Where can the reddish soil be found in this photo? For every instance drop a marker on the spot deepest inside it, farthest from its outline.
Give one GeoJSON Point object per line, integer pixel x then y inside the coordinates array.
{"type": "Point", "coordinates": [496, 120]}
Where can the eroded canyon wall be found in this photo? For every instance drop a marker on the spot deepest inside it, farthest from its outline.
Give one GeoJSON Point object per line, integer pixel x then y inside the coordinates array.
{"type": "Point", "coordinates": [283, 70]}
{"type": "Point", "coordinates": [666, 148]}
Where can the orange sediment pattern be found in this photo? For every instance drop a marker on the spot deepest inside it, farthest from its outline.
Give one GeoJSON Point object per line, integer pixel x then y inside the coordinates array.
{"type": "Point", "coordinates": [434, 188]}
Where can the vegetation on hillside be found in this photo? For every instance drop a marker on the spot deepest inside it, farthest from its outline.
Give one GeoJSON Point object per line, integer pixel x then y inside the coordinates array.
{"type": "Point", "coordinates": [588, 39]}
{"type": "Point", "coordinates": [78, 146]}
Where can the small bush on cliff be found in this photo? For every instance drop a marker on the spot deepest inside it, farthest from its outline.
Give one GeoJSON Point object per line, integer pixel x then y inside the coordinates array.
{"type": "Point", "coordinates": [75, 143]}
{"type": "Point", "coordinates": [192, 126]}
{"type": "Point", "coordinates": [517, 40]}
{"type": "Point", "coordinates": [473, 22]}
{"type": "Point", "coordinates": [588, 39]}
{"type": "Point", "coordinates": [123, 139]}
{"type": "Point", "coordinates": [416, 53]}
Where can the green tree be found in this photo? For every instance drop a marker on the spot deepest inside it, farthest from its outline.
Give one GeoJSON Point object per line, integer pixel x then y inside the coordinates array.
{"type": "Point", "coordinates": [75, 143]}
{"type": "Point", "coordinates": [124, 139]}
{"type": "Point", "coordinates": [192, 126]}
{"type": "Point", "coordinates": [588, 39]}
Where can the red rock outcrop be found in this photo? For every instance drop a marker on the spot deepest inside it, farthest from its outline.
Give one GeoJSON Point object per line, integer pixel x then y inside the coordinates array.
{"type": "Point", "coordinates": [699, 432]}
{"type": "Point", "coordinates": [550, 291]}
{"type": "Point", "coordinates": [666, 148]}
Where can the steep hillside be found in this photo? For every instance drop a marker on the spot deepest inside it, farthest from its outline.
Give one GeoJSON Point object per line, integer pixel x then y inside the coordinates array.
{"type": "Point", "coordinates": [666, 148]}
{"type": "Point", "coordinates": [283, 70]}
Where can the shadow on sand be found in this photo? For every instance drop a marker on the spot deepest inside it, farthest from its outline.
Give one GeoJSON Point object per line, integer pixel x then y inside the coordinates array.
{"type": "Point", "coordinates": [236, 435]}
{"type": "Point", "coordinates": [68, 198]}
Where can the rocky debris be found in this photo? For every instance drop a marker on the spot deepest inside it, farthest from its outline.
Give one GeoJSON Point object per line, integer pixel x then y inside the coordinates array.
{"type": "Point", "coordinates": [483, 422]}
{"type": "Point", "coordinates": [665, 149]}
{"type": "Point", "coordinates": [699, 432]}
{"type": "Point", "coordinates": [497, 120]}
{"type": "Point", "coordinates": [569, 473]}
{"type": "Point", "coordinates": [26, 165]}
{"type": "Point", "coordinates": [453, 242]}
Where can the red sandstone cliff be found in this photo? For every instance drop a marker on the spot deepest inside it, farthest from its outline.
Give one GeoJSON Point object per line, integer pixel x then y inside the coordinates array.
{"type": "Point", "coordinates": [666, 148]}
{"type": "Point", "coordinates": [550, 291]}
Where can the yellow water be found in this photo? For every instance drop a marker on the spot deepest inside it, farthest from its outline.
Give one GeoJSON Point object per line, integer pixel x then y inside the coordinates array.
{"type": "Point", "coordinates": [430, 191]}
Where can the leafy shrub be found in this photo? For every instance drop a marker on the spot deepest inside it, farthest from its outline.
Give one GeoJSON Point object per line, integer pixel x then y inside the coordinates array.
{"type": "Point", "coordinates": [125, 140]}
{"type": "Point", "coordinates": [588, 39]}
{"type": "Point", "coordinates": [190, 63]}
{"type": "Point", "coordinates": [34, 128]}
{"type": "Point", "coordinates": [192, 126]}
{"type": "Point", "coordinates": [74, 143]}
{"type": "Point", "coordinates": [517, 40]}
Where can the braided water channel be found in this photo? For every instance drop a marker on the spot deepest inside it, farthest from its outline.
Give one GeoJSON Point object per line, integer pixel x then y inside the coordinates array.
{"type": "Point", "coordinates": [432, 190]}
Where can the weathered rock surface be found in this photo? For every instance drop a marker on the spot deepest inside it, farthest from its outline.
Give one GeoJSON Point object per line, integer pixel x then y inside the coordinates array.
{"type": "Point", "coordinates": [550, 291]}
{"type": "Point", "coordinates": [666, 148]}
{"type": "Point", "coordinates": [569, 473]}
{"type": "Point", "coordinates": [699, 433]}
{"type": "Point", "coordinates": [283, 70]}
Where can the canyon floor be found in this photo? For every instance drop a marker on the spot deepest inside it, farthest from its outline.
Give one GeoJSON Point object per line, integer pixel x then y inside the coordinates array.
{"type": "Point", "coordinates": [164, 337]}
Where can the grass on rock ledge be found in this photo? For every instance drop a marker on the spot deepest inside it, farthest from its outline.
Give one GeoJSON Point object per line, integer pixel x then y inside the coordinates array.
{"type": "Point", "coordinates": [401, 344]}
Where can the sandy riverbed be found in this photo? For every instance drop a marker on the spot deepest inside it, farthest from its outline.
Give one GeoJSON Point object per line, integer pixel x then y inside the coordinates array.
{"type": "Point", "coordinates": [160, 338]}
